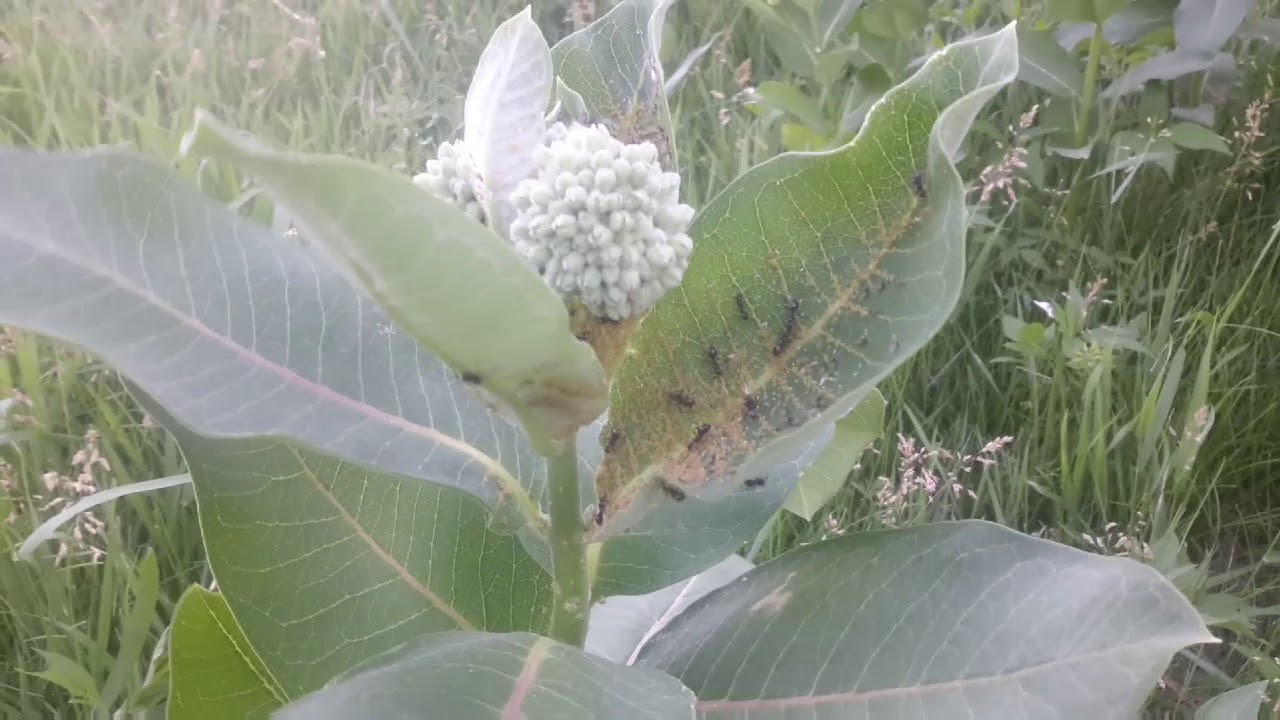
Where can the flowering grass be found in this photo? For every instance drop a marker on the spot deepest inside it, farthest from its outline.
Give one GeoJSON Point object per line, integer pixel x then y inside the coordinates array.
{"type": "Point", "coordinates": [1152, 410]}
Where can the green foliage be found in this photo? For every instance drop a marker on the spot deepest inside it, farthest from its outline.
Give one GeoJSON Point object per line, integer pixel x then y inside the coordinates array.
{"type": "Point", "coordinates": [214, 671]}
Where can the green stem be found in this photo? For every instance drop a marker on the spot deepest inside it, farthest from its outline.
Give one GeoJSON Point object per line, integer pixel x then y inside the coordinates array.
{"type": "Point", "coordinates": [568, 552]}
{"type": "Point", "coordinates": [1090, 85]}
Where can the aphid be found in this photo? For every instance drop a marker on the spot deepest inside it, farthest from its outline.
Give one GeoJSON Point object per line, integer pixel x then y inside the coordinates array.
{"type": "Point", "coordinates": [615, 439]}
{"type": "Point", "coordinates": [672, 490]}
{"type": "Point", "coordinates": [713, 354]}
{"type": "Point", "coordinates": [600, 508]}
{"type": "Point", "coordinates": [755, 482]}
{"type": "Point", "coordinates": [751, 406]}
{"type": "Point", "coordinates": [788, 326]}
{"type": "Point", "coordinates": [471, 378]}
{"type": "Point", "coordinates": [702, 432]}
{"type": "Point", "coordinates": [744, 312]}
{"type": "Point", "coordinates": [918, 186]}
{"type": "Point", "coordinates": [681, 398]}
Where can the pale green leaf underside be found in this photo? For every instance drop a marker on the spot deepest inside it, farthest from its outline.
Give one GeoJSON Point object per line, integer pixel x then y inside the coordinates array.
{"type": "Point", "coordinates": [326, 564]}
{"type": "Point", "coordinates": [952, 620]}
{"type": "Point", "coordinates": [476, 676]}
{"type": "Point", "coordinates": [238, 333]}
{"type": "Point", "coordinates": [824, 478]}
{"type": "Point", "coordinates": [450, 282]}
{"type": "Point", "coordinates": [213, 673]}
{"type": "Point", "coordinates": [1242, 703]}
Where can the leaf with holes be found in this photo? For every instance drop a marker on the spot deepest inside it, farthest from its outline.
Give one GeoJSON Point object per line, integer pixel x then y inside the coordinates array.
{"type": "Point", "coordinates": [964, 619]}
{"type": "Point", "coordinates": [238, 333]}
{"type": "Point", "coordinates": [813, 276]}
{"type": "Point", "coordinates": [326, 564]}
{"type": "Point", "coordinates": [213, 671]}
{"type": "Point", "coordinates": [503, 677]}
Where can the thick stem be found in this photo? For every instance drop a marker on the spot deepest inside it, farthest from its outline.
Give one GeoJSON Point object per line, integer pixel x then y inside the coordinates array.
{"type": "Point", "coordinates": [568, 552]}
{"type": "Point", "coordinates": [1090, 85]}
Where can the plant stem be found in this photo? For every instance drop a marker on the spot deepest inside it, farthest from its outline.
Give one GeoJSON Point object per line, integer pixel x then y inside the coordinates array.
{"type": "Point", "coordinates": [568, 552]}
{"type": "Point", "coordinates": [1090, 85]}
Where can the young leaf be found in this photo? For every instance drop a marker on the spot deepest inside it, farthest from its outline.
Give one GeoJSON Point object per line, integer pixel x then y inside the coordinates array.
{"type": "Point", "coordinates": [1242, 703]}
{"type": "Point", "coordinates": [1197, 137]}
{"type": "Point", "coordinates": [503, 117]}
{"type": "Point", "coordinates": [1042, 62]}
{"type": "Point", "coordinates": [213, 671]}
{"type": "Point", "coordinates": [438, 274]}
{"type": "Point", "coordinates": [238, 333]}
{"type": "Point", "coordinates": [824, 478]}
{"type": "Point", "coordinates": [326, 564]}
{"type": "Point", "coordinates": [1205, 26]}
{"type": "Point", "coordinates": [478, 675]}
{"type": "Point", "coordinates": [813, 276]}
{"type": "Point", "coordinates": [952, 619]}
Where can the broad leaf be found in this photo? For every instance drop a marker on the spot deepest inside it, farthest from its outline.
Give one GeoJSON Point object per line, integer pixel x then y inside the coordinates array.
{"type": "Point", "coordinates": [1242, 703]}
{"type": "Point", "coordinates": [813, 277]}
{"type": "Point", "coordinates": [503, 677]}
{"type": "Point", "coordinates": [1135, 23]}
{"type": "Point", "coordinates": [791, 47]}
{"type": "Point", "coordinates": [1197, 137]}
{"type": "Point", "coordinates": [824, 478]}
{"type": "Point", "coordinates": [238, 333]}
{"type": "Point", "coordinates": [326, 564]}
{"type": "Point", "coordinates": [213, 671]}
{"type": "Point", "coordinates": [451, 283]}
{"type": "Point", "coordinates": [1042, 62]}
{"type": "Point", "coordinates": [503, 115]}
{"type": "Point", "coordinates": [1165, 66]}
{"type": "Point", "coordinates": [1092, 11]}
{"type": "Point", "coordinates": [1206, 25]}
{"type": "Point", "coordinates": [615, 65]}
{"type": "Point", "coordinates": [622, 624]}
{"type": "Point", "coordinates": [965, 619]}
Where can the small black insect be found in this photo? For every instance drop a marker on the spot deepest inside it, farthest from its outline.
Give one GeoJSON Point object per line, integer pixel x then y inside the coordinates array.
{"type": "Point", "coordinates": [471, 378]}
{"type": "Point", "coordinates": [755, 482]}
{"type": "Point", "coordinates": [713, 354]}
{"type": "Point", "coordinates": [751, 406]}
{"type": "Point", "coordinates": [697, 437]}
{"type": "Point", "coordinates": [681, 398]}
{"type": "Point", "coordinates": [672, 490]}
{"type": "Point", "coordinates": [615, 439]}
{"type": "Point", "coordinates": [788, 326]}
{"type": "Point", "coordinates": [744, 312]}
{"type": "Point", "coordinates": [600, 508]}
{"type": "Point", "coordinates": [918, 181]}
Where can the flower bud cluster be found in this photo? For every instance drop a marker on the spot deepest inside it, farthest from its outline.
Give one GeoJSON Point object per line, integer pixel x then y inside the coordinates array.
{"type": "Point", "coordinates": [453, 176]}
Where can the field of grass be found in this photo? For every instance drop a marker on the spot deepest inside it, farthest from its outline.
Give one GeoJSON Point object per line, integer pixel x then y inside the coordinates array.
{"type": "Point", "coordinates": [1146, 423]}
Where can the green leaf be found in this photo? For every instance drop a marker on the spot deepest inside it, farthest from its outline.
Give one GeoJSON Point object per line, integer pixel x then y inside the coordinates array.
{"type": "Point", "coordinates": [478, 676]}
{"type": "Point", "coordinates": [438, 274]}
{"type": "Point", "coordinates": [952, 619]}
{"type": "Point", "coordinates": [622, 624]}
{"type": "Point", "coordinates": [1091, 11]}
{"type": "Point", "coordinates": [503, 114]}
{"type": "Point", "coordinates": [822, 480]}
{"type": "Point", "coordinates": [1242, 703]}
{"type": "Point", "coordinates": [213, 671]}
{"type": "Point", "coordinates": [813, 276]}
{"type": "Point", "coordinates": [784, 38]}
{"type": "Point", "coordinates": [1043, 63]}
{"type": "Point", "coordinates": [1206, 25]}
{"type": "Point", "coordinates": [789, 99]}
{"type": "Point", "coordinates": [135, 628]}
{"type": "Point", "coordinates": [70, 676]}
{"type": "Point", "coordinates": [1165, 66]}
{"type": "Point", "coordinates": [1193, 136]}
{"type": "Point", "coordinates": [833, 16]}
{"type": "Point", "coordinates": [238, 333]}
{"type": "Point", "coordinates": [615, 64]}
{"type": "Point", "coordinates": [326, 564]}
{"type": "Point", "coordinates": [49, 528]}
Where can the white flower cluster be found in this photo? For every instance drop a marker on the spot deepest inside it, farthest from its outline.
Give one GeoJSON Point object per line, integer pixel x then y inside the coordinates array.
{"type": "Point", "coordinates": [599, 219]}
{"type": "Point", "coordinates": [453, 175]}
{"type": "Point", "coordinates": [602, 222]}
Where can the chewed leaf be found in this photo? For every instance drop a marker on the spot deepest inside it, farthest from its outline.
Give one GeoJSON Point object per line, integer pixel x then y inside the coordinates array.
{"type": "Point", "coordinates": [950, 620]}
{"type": "Point", "coordinates": [503, 117]}
{"type": "Point", "coordinates": [813, 276]}
{"type": "Point", "coordinates": [451, 283]}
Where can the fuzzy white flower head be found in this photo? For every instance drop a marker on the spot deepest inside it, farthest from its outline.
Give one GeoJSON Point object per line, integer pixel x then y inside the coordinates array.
{"type": "Point", "coordinates": [453, 176]}
{"type": "Point", "coordinates": [602, 222]}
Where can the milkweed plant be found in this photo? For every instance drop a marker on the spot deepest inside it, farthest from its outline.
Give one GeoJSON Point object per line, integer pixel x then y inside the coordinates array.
{"type": "Point", "coordinates": [489, 442]}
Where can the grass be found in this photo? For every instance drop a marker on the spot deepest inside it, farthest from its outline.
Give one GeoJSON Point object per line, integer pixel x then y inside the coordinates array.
{"type": "Point", "coordinates": [1149, 424]}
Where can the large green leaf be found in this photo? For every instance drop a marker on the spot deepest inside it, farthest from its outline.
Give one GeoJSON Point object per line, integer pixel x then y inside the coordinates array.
{"type": "Point", "coordinates": [326, 564]}
{"type": "Point", "coordinates": [441, 276]}
{"type": "Point", "coordinates": [1242, 703]}
{"type": "Point", "coordinates": [236, 332]}
{"type": "Point", "coordinates": [504, 677]}
{"type": "Point", "coordinates": [1046, 65]}
{"type": "Point", "coordinates": [824, 478]}
{"type": "Point", "coordinates": [213, 671]}
{"type": "Point", "coordinates": [1206, 25]}
{"type": "Point", "coordinates": [965, 619]}
{"type": "Point", "coordinates": [813, 276]}
{"type": "Point", "coordinates": [615, 65]}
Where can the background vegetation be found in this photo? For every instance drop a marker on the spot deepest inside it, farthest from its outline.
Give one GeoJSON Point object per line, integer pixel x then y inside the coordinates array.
{"type": "Point", "coordinates": [1111, 378]}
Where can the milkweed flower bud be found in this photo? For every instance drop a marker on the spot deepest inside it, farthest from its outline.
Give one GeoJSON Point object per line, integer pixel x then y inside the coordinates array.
{"type": "Point", "coordinates": [602, 222]}
{"type": "Point", "coordinates": [454, 176]}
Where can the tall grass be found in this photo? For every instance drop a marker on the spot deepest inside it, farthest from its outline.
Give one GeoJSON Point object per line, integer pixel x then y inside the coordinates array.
{"type": "Point", "coordinates": [1155, 411]}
